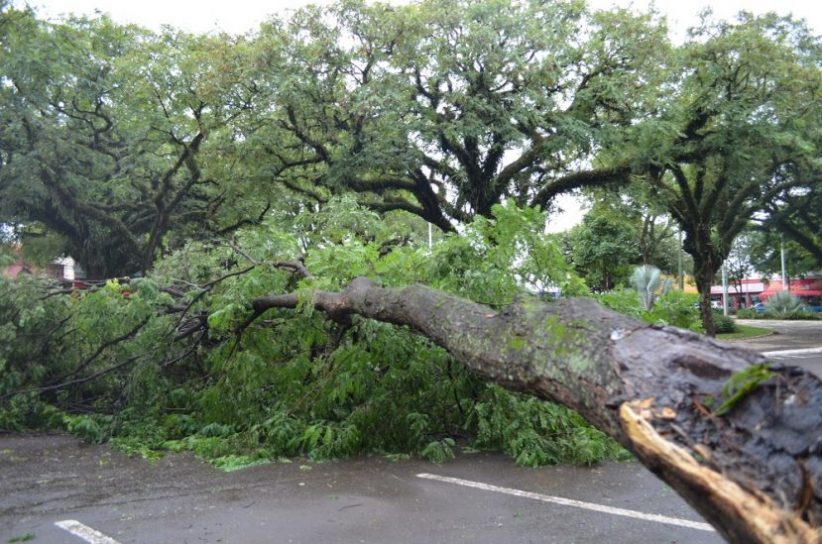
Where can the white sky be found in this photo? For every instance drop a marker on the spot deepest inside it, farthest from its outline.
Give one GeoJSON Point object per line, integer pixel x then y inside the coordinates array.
{"type": "Point", "coordinates": [238, 16]}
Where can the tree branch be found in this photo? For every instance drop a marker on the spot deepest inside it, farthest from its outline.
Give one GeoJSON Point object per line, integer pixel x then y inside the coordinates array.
{"type": "Point", "coordinates": [747, 471]}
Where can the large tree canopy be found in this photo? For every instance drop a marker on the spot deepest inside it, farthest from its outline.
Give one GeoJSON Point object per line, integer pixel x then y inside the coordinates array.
{"type": "Point", "coordinates": [446, 107]}
{"type": "Point", "coordinates": [797, 215]}
{"type": "Point", "coordinates": [103, 133]}
{"type": "Point", "coordinates": [442, 109]}
{"type": "Point", "coordinates": [738, 134]}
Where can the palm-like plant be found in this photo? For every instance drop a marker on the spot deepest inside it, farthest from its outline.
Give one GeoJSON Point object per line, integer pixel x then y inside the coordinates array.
{"type": "Point", "coordinates": [783, 304]}
{"type": "Point", "coordinates": [647, 281]}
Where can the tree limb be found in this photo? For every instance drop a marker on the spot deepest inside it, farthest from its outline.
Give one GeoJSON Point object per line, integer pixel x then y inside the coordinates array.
{"type": "Point", "coordinates": [748, 471]}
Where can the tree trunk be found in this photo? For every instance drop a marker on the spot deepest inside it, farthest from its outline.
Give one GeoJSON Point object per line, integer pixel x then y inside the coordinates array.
{"type": "Point", "coordinates": [754, 472]}
{"type": "Point", "coordinates": [704, 280]}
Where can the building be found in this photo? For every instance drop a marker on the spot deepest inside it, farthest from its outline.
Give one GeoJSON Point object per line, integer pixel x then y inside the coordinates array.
{"type": "Point", "coordinates": [749, 294]}
{"type": "Point", "coordinates": [809, 290]}
{"type": "Point", "coordinates": [753, 290]}
{"type": "Point", "coordinates": [62, 269]}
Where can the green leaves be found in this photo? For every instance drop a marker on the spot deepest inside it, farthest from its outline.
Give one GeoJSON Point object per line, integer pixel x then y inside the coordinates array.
{"type": "Point", "coordinates": [740, 384]}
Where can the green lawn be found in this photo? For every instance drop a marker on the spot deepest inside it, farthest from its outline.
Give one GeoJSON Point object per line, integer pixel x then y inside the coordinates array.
{"type": "Point", "coordinates": [744, 331]}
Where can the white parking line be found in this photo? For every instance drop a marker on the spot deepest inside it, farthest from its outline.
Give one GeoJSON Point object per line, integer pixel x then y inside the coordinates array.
{"type": "Point", "coordinates": [571, 502]}
{"type": "Point", "coordinates": [792, 352]}
{"type": "Point", "coordinates": [85, 532]}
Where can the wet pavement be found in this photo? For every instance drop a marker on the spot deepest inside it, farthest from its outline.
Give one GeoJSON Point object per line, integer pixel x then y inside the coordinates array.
{"type": "Point", "coordinates": [787, 334]}
{"type": "Point", "coordinates": [803, 338]}
{"type": "Point", "coordinates": [179, 499]}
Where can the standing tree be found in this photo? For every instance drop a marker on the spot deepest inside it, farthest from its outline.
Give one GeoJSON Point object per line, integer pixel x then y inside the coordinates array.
{"type": "Point", "coordinates": [447, 107]}
{"type": "Point", "coordinates": [604, 247]}
{"type": "Point", "coordinates": [738, 134]}
{"type": "Point", "coordinates": [103, 132]}
{"type": "Point", "coordinates": [620, 230]}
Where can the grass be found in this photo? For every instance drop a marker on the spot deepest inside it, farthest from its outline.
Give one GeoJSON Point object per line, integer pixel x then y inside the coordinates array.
{"type": "Point", "coordinates": [744, 331]}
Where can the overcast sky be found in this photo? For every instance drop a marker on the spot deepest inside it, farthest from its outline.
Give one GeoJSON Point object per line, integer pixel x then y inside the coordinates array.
{"type": "Point", "coordinates": [238, 16]}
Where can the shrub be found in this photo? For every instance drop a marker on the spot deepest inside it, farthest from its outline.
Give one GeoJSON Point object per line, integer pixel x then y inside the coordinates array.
{"type": "Point", "coordinates": [646, 281]}
{"type": "Point", "coordinates": [673, 308]}
{"type": "Point", "coordinates": [724, 323]}
{"type": "Point", "coordinates": [801, 315]}
{"type": "Point", "coordinates": [783, 304]}
{"type": "Point", "coordinates": [746, 313]}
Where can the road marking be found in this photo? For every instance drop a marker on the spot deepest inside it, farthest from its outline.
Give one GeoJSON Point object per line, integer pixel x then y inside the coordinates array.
{"type": "Point", "coordinates": [792, 352]}
{"type": "Point", "coordinates": [571, 502]}
{"type": "Point", "coordinates": [85, 532]}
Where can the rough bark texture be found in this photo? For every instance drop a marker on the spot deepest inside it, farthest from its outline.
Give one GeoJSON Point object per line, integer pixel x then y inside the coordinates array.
{"type": "Point", "coordinates": [754, 472]}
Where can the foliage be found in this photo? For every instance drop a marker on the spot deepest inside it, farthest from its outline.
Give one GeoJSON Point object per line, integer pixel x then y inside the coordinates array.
{"type": "Point", "coordinates": [107, 148]}
{"type": "Point", "coordinates": [445, 108]}
{"type": "Point", "coordinates": [75, 350]}
{"type": "Point", "coordinates": [797, 218]}
{"type": "Point", "coordinates": [740, 384]}
{"type": "Point", "coordinates": [735, 135]}
{"type": "Point", "coordinates": [293, 383]}
{"type": "Point", "coordinates": [782, 304]}
{"type": "Point", "coordinates": [539, 433]}
{"type": "Point", "coordinates": [674, 308]}
{"type": "Point", "coordinates": [603, 247]}
{"type": "Point", "coordinates": [766, 254]}
{"type": "Point", "coordinates": [724, 324]}
{"type": "Point", "coordinates": [746, 313]}
{"type": "Point", "coordinates": [646, 280]}
{"type": "Point", "coordinates": [801, 314]}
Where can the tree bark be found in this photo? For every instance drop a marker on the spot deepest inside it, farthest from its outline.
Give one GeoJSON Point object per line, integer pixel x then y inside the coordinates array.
{"type": "Point", "coordinates": [754, 472]}
{"type": "Point", "coordinates": [704, 272]}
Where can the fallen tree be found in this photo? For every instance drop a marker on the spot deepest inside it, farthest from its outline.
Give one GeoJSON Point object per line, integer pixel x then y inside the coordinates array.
{"type": "Point", "coordinates": [740, 440]}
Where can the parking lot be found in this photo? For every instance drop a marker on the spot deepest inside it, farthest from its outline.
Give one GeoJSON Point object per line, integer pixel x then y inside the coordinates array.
{"type": "Point", "coordinates": [478, 498]}
{"type": "Point", "coordinates": [792, 342]}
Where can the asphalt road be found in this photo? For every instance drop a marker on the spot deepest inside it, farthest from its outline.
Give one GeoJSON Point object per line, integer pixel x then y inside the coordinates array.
{"type": "Point", "coordinates": [50, 479]}
{"type": "Point", "coordinates": [792, 342]}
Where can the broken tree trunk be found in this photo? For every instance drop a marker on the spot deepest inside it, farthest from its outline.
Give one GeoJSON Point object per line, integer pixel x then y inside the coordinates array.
{"type": "Point", "coordinates": [754, 472]}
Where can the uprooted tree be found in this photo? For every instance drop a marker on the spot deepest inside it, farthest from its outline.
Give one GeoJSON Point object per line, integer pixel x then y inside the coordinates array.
{"type": "Point", "coordinates": [741, 442]}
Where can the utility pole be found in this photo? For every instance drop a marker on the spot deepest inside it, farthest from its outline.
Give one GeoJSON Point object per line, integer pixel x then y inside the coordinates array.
{"type": "Point", "coordinates": [785, 286]}
{"type": "Point", "coordinates": [680, 271]}
{"type": "Point", "coordinates": [724, 290]}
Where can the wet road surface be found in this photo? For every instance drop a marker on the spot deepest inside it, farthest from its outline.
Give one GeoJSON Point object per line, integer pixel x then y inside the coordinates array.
{"type": "Point", "coordinates": [792, 342]}
{"type": "Point", "coordinates": [51, 478]}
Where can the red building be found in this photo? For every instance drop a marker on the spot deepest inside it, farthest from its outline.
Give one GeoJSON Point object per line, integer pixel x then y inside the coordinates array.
{"type": "Point", "coordinates": [749, 294]}
{"type": "Point", "coordinates": [754, 290]}
{"type": "Point", "coordinates": [809, 290]}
